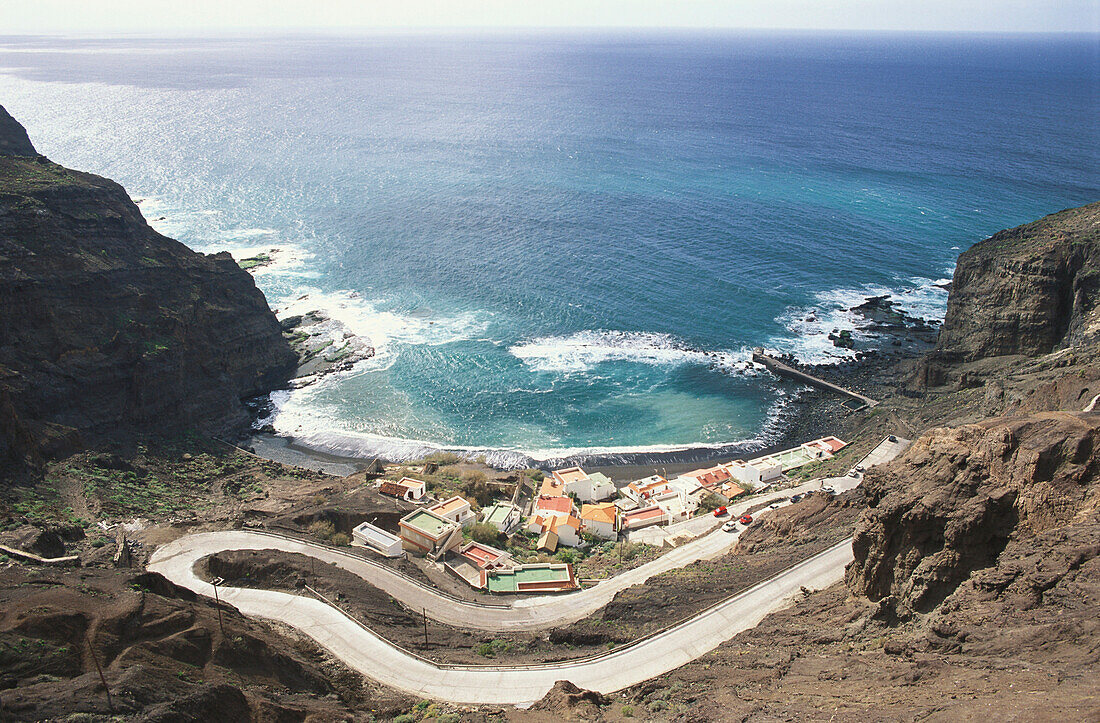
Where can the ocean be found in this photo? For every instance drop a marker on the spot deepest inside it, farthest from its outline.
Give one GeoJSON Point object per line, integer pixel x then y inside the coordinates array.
{"type": "Point", "coordinates": [566, 245]}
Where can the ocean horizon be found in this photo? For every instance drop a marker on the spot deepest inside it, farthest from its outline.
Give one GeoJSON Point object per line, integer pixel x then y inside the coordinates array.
{"type": "Point", "coordinates": [565, 245]}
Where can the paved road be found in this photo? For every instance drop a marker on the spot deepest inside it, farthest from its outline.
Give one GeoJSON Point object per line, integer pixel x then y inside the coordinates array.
{"type": "Point", "coordinates": [176, 561]}
{"type": "Point", "coordinates": [372, 656]}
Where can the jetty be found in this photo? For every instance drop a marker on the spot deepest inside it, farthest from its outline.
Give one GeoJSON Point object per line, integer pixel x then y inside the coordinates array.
{"type": "Point", "coordinates": [778, 368]}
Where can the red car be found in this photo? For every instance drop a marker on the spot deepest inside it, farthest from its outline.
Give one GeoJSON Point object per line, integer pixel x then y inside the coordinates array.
{"type": "Point", "coordinates": [720, 511]}
{"type": "Point", "coordinates": [745, 519]}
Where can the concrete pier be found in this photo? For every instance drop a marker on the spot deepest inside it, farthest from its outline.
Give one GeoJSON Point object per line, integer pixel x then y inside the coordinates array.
{"type": "Point", "coordinates": [780, 369]}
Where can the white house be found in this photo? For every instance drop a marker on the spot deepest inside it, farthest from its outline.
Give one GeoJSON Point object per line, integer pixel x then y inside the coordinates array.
{"type": "Point", "coordinates": [377, 539]}
{"type": "Point", "coordinates": [677, 507]}
{"type": "Point", "coordinates": [406, 488]}
{"type": "Point", "coordinates": [565, 529]}
{"type": "Point", "coordinates": [551, 506]}
{"type": "Point", "coordinates": [503, 515]}
{"type": "Point", "coordinates": [575, 481]}
{"type": "Point", "coordinates": [456, 509]}
{"type": "Point", "coordinates": [641, 490]}
{"type": "Point", "coordinates": [756, 472]}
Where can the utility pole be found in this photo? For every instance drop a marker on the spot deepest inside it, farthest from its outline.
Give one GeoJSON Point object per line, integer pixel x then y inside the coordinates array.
{"type": "Point", "coordinates": [218, 603]}
{"type": "Point", "coordinates": [102, 678]}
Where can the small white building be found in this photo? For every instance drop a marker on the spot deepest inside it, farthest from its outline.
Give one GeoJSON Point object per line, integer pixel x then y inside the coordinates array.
{"type": "Point", "coordinates": [406, 488]}
{"type": "Point", "coordinates": [456, 509]}
{"type": "Point", "coordinates": [755, 473]}
{"type": "Point", "coordinates": [642, 490]}
{"type": "Point", "coordinates": [677, 507]}
{"type": "Point", "coordinates": [503, 515]}
{"type": "Point", "coordinates": [575, 481]}
{"type": "Point", "coordinates": [377, 539]}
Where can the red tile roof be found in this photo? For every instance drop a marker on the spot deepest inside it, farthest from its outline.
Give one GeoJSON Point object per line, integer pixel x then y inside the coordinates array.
{"type": "Point", "coordinates": [392, 488]}
{"type": "Point", "coordinates": [554, 504]}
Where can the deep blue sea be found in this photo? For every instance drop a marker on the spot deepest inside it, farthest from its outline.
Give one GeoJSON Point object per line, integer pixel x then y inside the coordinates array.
{"type": "Point", "coordinates": [570, 243]}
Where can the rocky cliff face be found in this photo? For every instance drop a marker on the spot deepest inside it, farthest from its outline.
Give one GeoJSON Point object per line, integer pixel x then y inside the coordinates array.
{"type": "Point", "coordinates": [1027, 291]}
{"type": "Point", "coordinates": [111, 329]}
{"type": "Point", "coordinates": [951, 504]}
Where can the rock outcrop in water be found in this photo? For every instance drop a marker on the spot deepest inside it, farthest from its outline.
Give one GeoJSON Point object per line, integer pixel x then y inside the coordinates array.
{"type": "Point", "coordinates": [112, 330]}
{"type": "Point", "coordinates": [1024, 291]}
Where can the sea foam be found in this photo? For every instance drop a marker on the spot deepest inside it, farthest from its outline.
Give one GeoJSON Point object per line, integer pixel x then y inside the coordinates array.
{"type": "Point", "coordinates": [580, 352]}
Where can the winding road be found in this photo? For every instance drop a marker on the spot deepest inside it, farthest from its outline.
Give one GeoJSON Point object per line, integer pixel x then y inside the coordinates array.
{"type": "Point", "coordinates": [374, 657]}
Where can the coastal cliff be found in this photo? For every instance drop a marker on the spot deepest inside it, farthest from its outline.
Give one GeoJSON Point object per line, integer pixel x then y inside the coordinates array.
{"type": "Point", "coordinates": [1024, 291]}
{"type": "Point", "coordinates": [111, 330]}
{"type": "Point", "coordinates": [1021, 339]}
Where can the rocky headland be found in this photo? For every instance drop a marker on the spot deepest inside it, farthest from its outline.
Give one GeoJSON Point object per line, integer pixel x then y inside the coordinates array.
{"type": "Point", "coordinates": [111, 330]}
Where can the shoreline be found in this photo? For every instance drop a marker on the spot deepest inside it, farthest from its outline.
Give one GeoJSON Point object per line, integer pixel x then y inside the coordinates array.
{"type": "Point", "coordinates": [810, 414]}
{"type": "Point", "coordinates": [876, 371]}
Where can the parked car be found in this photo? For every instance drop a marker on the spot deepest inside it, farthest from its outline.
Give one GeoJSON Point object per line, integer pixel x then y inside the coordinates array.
{"type": "Point", "coordinates": [796, 498]}
{"type": "Point", "coordinates": [745, 520]}
{"type": "Point", "coordinates": [828, 490]}
{"type": "Point", "coordinates": [892, 438]}
{"type": "Point", "coordinates": [730, 526]}
{"type": "Point", "coordinates": [720, 511]}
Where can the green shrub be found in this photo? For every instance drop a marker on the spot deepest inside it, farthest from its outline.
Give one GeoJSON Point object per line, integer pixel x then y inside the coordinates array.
{"type": "Point", "coordinates": [484, 533]}
{"type": "Point", "coordinates": [341, 539]}
{"type": "Point", "coordinates": [567, 554]}
{"type": "Point", "coordinates": [711, 502]}
{"type": "Point", "coordinates": [323, 529]}
{"type": "Point", "coordinates": [628, 711]}
{"type": "Point", "coordinates": [492, 648]}
{"type": "Point", "coordinates": [405, 718]}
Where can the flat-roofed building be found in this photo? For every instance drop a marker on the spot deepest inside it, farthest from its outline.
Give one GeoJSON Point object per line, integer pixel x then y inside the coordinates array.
{"type": "Point", "coordinates": [455, 509]}
{"type": "Point", "coordinates": [601, 520]}
{"type": "Point", "coordinates": [424, 532]}
{"type": "Point", "coordinates": [677, 507]}
{"type": "Point", "coordinates": [641, 490]}
{"type": "Point", "coordinates": [575, 481]}
{"type": "Point", "coordinates": [377, 539]}
{"type": "Point", "coordinates": [644, 518]}
{"type": "Point", "coordinates": [756, 472]}
{"type": "Point", "coordinates": [503, 515]}
{"type": "Point", "coordinates": [474, 560]}
{"type": "Point", "coordinates": [540, 577]}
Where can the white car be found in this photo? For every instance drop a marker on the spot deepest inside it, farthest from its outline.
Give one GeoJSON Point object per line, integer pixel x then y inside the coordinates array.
{"type": "Point", "coordinates": [730, 526]}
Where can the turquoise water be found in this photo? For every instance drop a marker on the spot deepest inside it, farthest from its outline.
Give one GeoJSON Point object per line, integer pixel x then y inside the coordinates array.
{"type": "Point", "coordinates": [568, 245]}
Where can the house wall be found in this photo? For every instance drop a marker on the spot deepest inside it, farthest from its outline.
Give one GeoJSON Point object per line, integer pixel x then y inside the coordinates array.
{"type": "Point", "coordinates": [415, 541]}
{"type": "Point", "coordinates": [605, 530]}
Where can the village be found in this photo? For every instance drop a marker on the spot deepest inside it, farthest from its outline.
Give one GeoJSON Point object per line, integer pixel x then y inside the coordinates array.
{"type": "Point", "coordinates": [571, 509]}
